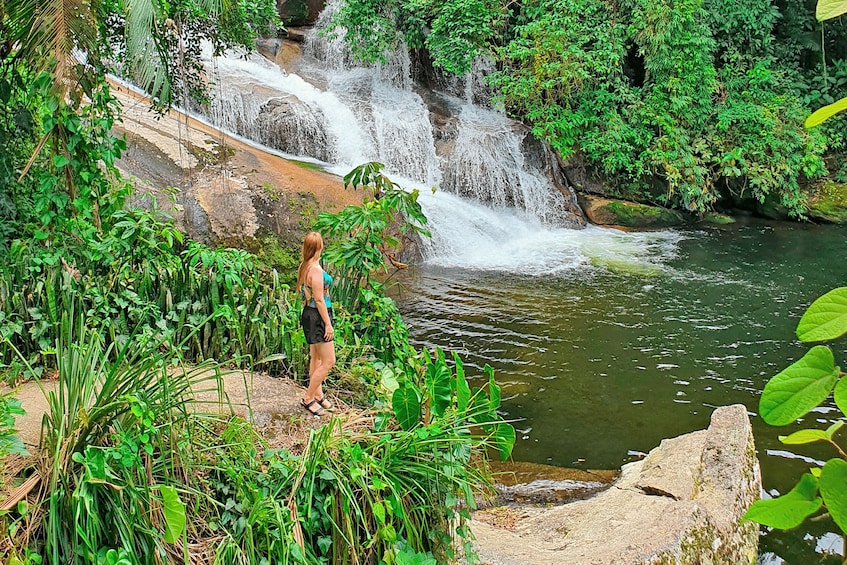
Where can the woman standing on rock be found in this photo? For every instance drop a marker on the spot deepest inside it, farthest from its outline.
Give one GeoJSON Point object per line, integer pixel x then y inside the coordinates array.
{"type": "Point", "coordinates": [316, 320]}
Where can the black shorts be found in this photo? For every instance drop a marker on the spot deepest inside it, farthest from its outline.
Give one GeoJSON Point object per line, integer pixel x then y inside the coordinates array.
{"type": "Point", "coordinates": [313, 324]}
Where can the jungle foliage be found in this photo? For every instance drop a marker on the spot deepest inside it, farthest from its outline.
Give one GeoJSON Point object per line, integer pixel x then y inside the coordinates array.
{"type": "Point", "coordinates": [133, 319]}
{"type": "Point", "coordinates": [689, 104]}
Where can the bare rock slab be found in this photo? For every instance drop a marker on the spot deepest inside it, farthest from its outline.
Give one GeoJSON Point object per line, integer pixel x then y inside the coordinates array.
{"type": "Point", "coordinates": [681, 505]}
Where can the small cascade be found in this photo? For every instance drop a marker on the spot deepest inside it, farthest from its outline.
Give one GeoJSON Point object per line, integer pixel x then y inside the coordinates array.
{"type": "Point", "coordinates": [497, 188]}
{"type": "Point", "coordinates": [333, 55]}
{"type": "Point", "coordinates": [487, 146]}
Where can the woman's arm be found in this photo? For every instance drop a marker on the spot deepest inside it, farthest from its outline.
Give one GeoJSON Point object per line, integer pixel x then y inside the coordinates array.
{"type": "Point", "coordinates": [316, 281]}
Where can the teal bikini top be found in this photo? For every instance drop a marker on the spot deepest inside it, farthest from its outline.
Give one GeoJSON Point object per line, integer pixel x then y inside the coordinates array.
{"type": "Point", "coordinates": [327, 284]}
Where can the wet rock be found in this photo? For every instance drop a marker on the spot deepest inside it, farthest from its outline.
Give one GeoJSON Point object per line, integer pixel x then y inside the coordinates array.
{"type": "Point", "coordinates": [292, 126]}
{"type": "Point", "coordinates": [718, 219]}
{"type": "Point", "coordinates": [772, 208]}
{"type": "Point", "coordinates": [680, 505]}
{"type": "Point", "coordinates": [609, 212]}
{"type": "Point", "coordinates": [533, 483]}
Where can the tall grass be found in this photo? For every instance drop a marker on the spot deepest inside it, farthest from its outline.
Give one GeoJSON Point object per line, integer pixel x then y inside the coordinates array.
{"type": "Point", "coordinates": [112, 451]}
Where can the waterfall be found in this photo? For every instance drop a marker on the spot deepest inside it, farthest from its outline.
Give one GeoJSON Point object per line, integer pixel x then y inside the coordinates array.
{"type": "Point", "coordinates": [493, 182]}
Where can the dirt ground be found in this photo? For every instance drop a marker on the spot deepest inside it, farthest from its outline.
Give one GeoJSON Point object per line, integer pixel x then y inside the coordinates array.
{"type": "Point", "coordinates": [273, 407]}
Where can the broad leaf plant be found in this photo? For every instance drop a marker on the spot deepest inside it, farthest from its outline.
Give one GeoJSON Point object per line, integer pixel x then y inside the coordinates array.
{"type": "Point", "coordinates": [792, 394]}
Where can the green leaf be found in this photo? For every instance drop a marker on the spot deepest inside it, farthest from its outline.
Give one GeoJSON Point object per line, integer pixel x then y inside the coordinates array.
{"type": "Point", "coordinates": [830, 431]}
{"type": "Point", "coordinates": [787, 511]}
{"type": "Point", "coordinates": [504, 437]}
{"type": "Point", "coordinates": [493, 388]}
{"type": "Point", "coordinates": [803, 436]}
{"type": "Point", "coordinates": [799, 388]}
{"type": "Point", "coordinates": [406, 406]}
{"type": "Point", "coordinates": [438, 383]}
{"type": "Point", "coordinates": [833, 485]}
{"type": "Point", "coordinates": [828, 9]}
{"type": "Point", "coordinates": [174, 513]}
{"type": "Point", "coordinates": [840, 395]}
{"type": "Point", "coordinates": [826, 318]}
{"type": "Point", "coordinates": [463, 391]}
{"type": "Point", "coordinates": [60, 161]}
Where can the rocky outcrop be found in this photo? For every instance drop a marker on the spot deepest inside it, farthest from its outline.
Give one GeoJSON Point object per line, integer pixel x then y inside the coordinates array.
{"type": "Point", "coordinates": [609, 212]}
{"type": "Point", "coordinates": [829, 203]}
{"type": "Point", "coordinates": [680, 505]}
{"type": "Point", "coordinates": [217, 189]}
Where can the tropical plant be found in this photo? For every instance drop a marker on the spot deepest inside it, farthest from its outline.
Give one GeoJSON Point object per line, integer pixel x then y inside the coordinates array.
{"type": "Point", "coordinates": [111, 448]}
{"type": "Point", "coordinates": [397, 492]}
{"type": "Point", "coordinates": [793, 393]}
{"type": "Point", "coordinates": [363, 239]}
{"type": "Point", "coordinates": [9, 441]}
{"type": "Point", "coordinates": [827, 10]}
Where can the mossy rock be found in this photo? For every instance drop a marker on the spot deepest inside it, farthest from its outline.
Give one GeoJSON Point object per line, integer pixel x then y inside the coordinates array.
{"type": "Point", "coordinates": [718, 219]}
{"type": "Point", "coordinates": [607, 212]}
{"type": "Point", "coordinates": [829, 203]}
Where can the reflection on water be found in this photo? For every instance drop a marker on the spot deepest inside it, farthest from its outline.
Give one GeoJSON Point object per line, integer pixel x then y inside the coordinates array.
{"type": "Point", "coordinates": [638, 339]}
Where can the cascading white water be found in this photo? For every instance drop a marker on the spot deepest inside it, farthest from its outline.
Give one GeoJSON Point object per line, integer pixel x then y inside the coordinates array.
{"type": "Point", "coordinates": [504, 213]}
{"type": "Point", "coordinates": [487, 146]}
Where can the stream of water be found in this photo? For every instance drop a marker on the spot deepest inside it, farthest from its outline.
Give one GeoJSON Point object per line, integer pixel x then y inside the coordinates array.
{"type": "Point", "coordinates": [606, 342]}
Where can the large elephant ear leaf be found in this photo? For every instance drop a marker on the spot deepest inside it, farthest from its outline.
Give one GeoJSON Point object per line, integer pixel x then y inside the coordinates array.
{"type": "Point", "coordinates": [800, 387]}
{"type": "Point", "coordinates": [826, 318]}
{"type": "Point", "coordinates": [406, 406]}
{"type": "Point", "coordinates": [504, 439]}
{"type": "Point", "coordinates": [787, 511]}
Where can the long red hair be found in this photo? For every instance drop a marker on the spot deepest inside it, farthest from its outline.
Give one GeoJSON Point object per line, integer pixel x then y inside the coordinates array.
{"type": "Point", "coordinates": [313, 244]}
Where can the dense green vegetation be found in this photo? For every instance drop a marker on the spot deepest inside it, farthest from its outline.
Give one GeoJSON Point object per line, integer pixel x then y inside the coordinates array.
{"type": "Point", "coordinates": [690, 104]}
{"type": "Point", "coordinates": [133, 319]}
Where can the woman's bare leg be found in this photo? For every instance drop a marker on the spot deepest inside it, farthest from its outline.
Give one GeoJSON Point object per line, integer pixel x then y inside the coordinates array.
{"type": "Point", "coordinates": [323, 356]}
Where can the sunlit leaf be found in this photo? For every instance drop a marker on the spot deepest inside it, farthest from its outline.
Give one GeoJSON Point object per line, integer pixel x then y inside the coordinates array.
{"type": "Point", "coordinates": [826, 318]}
{"type": "Point", "coordinates": [787, 511]}
{"type": "Point", "coordinates": [174, 513]}
{"type": "Point", "coordinates": [799, 388]}
{"type": "Point", "coordinates": [803, 436]}
{"type": "Point", "coordinates": [840, 395]}
{"type": "Point", "coordinates": [830, 431]}
{"type": "Point", "coordinates": [833, 485]}
{"type": "Point", "coordinates": [828, 9]}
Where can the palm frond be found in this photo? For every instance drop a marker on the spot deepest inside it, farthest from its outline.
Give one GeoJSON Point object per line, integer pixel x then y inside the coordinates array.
{"type": "Point", "coordinates": [50, 34]}
{"type": "Point", "coordinates": [146, 59]}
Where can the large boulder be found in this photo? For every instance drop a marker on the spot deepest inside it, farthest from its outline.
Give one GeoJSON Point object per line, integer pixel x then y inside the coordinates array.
{"type": "Point", "coordinates": [609, 212]}
{"type": "Point", "coordinates": [680, 505]}
{"type": "Point", "coordinates": [829, 203]}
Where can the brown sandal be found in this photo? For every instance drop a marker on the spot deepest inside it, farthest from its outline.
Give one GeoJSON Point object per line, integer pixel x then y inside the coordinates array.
{"type": "Point", "coordinates": [326, 404]}
{"type": "Point", "coordinates": [308, 407]}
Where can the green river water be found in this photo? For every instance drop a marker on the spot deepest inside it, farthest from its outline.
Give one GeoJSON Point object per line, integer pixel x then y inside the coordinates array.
{"type": "Point", "coordinates": [599, 363]}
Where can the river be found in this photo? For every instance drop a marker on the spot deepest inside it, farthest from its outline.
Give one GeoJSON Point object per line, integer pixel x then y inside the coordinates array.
{"type": "Point", "coordinates": [605, 343]}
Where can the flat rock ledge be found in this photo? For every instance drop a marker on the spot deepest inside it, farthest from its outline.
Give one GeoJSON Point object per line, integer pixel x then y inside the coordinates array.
{"type": "Point", "coordinates": [680, 505]}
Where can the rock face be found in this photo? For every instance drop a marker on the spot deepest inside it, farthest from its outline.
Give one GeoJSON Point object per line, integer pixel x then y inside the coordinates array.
{"type": "Point", "coordinates": [681, 505]}
{"type": "Point", "coordinates": [217, 189]}
{"type": "Point", "coordinates": [609, 212]}
{"type": "Point", "coordinates": [829, 204]}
